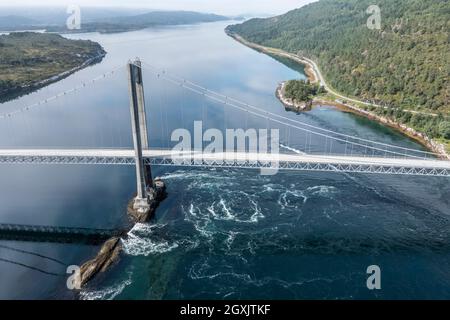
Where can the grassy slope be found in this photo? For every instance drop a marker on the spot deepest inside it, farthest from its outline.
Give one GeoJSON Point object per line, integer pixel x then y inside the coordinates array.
{"type": "Point", "coordinates": [26, 58]}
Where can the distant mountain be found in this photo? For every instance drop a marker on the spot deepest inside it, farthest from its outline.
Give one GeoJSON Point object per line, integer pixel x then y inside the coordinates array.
{"type": "Point", "coordinates": [141, 21]}
{"type": "Point", "coordinates": [16, 22]}
{"type": "Point", "coordinates": [104, 21]}
{"type": "Point", "coordinates": [164, 18]}
{"type": "Point", "coordinates": [403, 65]}
{"type": "Point", "coordinates": [54, 16]}
{"type": "Point", "coordinates": [108, 22]}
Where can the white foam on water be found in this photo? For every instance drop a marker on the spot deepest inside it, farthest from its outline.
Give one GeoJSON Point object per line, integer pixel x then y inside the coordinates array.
{"type": "Point", "coordinates": [271, 187]}
{"type": "Point", "coordinates": [202, 272]}
{"type": "Point", "coordinates": [228, 214]}
{"type": "Point", "coordinates": [139, 243]}
{"type": "Point", "coordinates": [284, 202]}
{"type": "Point", "coordinates": [108, 293]}
{"type": "Point", "coordinates": [177, 175]}
{"type": "Point", "coordinates": [192, 211]}
{"type": "Point", "coordinates": [193, 174]}
{"type": "Point", "coordinates": [205, 220]}
{"type": "Point", "coordinates": [212, 211]}
{"type": "Point", "coordinates": [199, 221]}
{"type": "Point", "coordinates": [258, 214]}
{"type": "Point", "coordinates": [228, 294]}
{"type": "Point", "coordinates": [324, 191]}
{"type": "Point", "coordinates": [230, 239]}
{"type": "Point", "coordinates": [223, 185]}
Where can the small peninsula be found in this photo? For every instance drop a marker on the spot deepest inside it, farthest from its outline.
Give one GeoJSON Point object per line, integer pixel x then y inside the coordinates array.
{"type": "Point", "coordinates": [30, 60]}
{"type": "Point", "coordinates": [298, 95]}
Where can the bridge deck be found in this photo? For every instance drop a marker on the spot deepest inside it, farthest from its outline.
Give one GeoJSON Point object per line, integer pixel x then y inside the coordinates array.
{"type": "Point", "coordinates": [230, 159]}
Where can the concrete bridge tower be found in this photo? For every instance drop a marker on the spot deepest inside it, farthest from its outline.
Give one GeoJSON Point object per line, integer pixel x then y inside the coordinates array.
{"type": "Point", "coordinates": [140, 136]}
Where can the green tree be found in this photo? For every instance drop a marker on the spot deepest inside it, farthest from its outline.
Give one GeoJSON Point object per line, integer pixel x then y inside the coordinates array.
{"type": "Point", "coordinates": [444, 129]}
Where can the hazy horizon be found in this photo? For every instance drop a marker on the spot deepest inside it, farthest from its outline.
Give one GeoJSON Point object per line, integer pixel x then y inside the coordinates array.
{"type": "Point", "coordinates": [228, 7]}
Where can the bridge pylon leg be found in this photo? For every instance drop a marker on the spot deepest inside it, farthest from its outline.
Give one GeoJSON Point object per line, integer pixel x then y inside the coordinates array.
{"type": "Point", "coordinates": [143, 121]}
{"type": "Point", "coordinates": [140, 137]}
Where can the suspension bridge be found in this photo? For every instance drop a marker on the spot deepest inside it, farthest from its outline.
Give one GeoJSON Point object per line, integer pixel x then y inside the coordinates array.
{"type": "Point", "coordinates": [338, 152]}
{"type": "Point", "coordinates": [245, 160]}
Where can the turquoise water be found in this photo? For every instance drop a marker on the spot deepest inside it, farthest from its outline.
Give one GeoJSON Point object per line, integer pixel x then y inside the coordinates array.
{"type": "Point", "coordinates": [220, 233]}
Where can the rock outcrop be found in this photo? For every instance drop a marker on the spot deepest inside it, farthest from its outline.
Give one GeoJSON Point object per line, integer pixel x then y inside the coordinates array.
{"type": "Point", "coordinates": [109, 253]}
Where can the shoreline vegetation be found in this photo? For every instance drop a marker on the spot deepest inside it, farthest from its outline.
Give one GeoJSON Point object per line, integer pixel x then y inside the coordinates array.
{"type": "Point", "coordinates": [338, 100]}
{"type": "Point", "coordinates": [30, 61]}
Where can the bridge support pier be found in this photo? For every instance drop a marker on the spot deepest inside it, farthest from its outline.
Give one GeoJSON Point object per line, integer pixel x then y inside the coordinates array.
{"type": "Point", "coordinates": [140, 137]}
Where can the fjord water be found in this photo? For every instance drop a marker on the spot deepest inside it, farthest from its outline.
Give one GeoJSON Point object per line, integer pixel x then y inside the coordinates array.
{"type": "Point", "coordinates": [220, 233]}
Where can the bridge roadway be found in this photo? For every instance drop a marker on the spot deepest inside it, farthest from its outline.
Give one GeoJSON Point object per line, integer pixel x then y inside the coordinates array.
{"type": "Point", "coordinates": [411, 166]}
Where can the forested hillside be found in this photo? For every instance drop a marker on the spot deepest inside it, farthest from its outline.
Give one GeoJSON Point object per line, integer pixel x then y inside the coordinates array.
{"type": "Point", "coordinates": [301, 90]}
{"type": "Point", "coordinates": [28, 58]}
{"type": "Point", "coordinates": [404, 64]}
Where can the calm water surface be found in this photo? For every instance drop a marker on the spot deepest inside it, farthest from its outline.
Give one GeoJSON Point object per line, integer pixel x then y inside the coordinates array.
{"type": "Point", "coordinates": [221, 233]}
